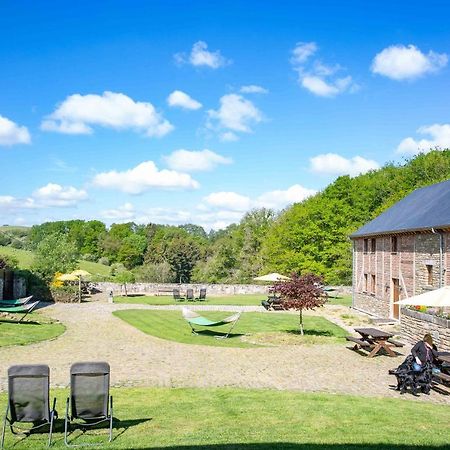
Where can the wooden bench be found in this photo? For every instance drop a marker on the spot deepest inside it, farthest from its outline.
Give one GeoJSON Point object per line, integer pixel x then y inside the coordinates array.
{"type": "Point", "coordinates": [359, 342]}
{"type": "Point", "coordinates": [443, 376]}
{"type": "Point", "coordinates": [396, 343]}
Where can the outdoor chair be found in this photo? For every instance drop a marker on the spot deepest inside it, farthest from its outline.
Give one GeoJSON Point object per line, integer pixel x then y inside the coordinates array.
{"type": "Point", "coordinates": [28, 400]}
{"type": "Point", "coordinates": [202, 295]}
{"type": "Point", "coordinates": [190, 295]}
{"type": "Point", "coordinates": [89, 403]}
{"type": "Point", "coordinates": [19, 309]}
{"type": "Point", "coordinates": [176, 295]}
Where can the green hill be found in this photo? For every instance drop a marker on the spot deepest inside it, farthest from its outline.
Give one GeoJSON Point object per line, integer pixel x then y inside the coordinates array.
{"type": "Point", "coordinates": [312, 236]}
{"type": "Point", "coordinates": [25, 259]}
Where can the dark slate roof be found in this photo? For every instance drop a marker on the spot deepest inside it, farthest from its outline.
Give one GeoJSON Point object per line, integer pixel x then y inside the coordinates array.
{"type": "Point", "coordinates": [423, 209]}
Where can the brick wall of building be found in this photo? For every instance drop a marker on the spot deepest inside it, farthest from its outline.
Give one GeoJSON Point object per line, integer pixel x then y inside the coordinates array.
{"type": "Point", "coordinates": [416, 265]}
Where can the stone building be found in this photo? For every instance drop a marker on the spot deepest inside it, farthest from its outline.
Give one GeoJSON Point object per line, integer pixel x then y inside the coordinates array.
{"type": "Point", "coordinates": [403, 252]}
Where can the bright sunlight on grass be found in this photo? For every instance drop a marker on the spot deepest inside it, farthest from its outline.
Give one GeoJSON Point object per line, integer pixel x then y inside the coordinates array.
{"type": "Point", "coordinates": [238, 419]}
{"type": "Point", "coordinates": [36, 328]}
{"type": "Point", "coordinates": [248, 332]}
{"type": "Point", "coordinates": [237, 300]}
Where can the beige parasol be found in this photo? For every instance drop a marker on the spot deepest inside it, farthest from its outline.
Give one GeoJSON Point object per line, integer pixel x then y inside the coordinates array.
{"type": "Point", "coordinates": [272, 277]}
{"type": "Point", "coordinates": [438, 297]}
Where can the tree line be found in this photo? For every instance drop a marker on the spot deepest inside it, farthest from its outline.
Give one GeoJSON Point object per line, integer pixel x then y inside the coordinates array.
{"type": "Point", "coordinates": [307, 237]}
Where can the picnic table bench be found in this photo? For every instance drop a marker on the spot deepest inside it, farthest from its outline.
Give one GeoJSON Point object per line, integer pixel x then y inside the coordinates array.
{"type": "Point", "coordinates": [374, 341]}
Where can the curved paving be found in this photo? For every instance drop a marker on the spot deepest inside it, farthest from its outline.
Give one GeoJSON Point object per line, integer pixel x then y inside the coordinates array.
{"type": "Point", "coordinates": [93, 333]}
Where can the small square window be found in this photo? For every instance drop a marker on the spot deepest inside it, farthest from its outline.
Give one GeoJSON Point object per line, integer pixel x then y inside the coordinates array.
{"type": "Point", "coordinates": [429, 274]}
{"type": "Point", "coordinates": [366, 245]}
{"type": "Point", "coordinates": [394, 244]}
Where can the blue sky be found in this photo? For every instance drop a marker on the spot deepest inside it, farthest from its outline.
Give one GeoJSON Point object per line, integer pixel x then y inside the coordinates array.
{"type": "Point", "coordinates": [175, 112]}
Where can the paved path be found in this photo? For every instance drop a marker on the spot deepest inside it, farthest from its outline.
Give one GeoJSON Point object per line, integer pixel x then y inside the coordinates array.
{"type": "Point", "coordinates": [93, 333]}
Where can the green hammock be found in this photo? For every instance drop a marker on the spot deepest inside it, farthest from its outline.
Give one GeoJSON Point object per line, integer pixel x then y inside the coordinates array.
{"type": "Point", "coordinates": [196, 319]}
{"type": "Point", "coordinates": [19, 309]}
{"type": "Point", "coordinates": [16, 302]}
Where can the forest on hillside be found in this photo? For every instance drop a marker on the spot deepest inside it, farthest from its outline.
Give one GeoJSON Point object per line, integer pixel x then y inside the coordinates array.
{"type": "Point", "coordinates": [311, 236]}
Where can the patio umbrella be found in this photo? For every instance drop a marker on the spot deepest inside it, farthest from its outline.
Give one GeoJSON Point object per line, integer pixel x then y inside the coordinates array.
{"type": "Point", "coordinates": [272, 277]}
{"type": "Point", "coordinates": [80, 273]}
{"type": "Point", "coordinates": [67, 277]}
{"type": "Point", "coordinates": [438, 297]}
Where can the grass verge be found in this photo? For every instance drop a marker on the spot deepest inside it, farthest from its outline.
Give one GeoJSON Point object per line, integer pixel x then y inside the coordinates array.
{"type": "Point", "coordinates": [251, 329]}
{"type": "Point", "coordinates": [237, 300]}
{"type": "Point", "coordinates": [247, 419]}
{"type": "Point", "coordinates": [36, 328]}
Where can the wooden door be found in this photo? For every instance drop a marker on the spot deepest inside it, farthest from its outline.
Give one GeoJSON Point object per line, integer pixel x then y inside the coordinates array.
{"type": "Point", "coordinates": [395, 298]}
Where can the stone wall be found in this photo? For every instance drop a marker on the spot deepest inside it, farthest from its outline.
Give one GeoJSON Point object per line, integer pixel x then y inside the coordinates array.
{"type": "Point", "coordinates": [415, 324]}
{"type": "Point", "coordinates": [371, 304]}
{"type": "Point", "coordinates": [167, 288]}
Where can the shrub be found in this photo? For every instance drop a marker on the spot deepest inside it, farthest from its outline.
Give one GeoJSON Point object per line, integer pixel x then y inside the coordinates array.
{"type": "Point", "coordinates": [104, 260]}
{"type": "Point", "coordinates": [155, 273]}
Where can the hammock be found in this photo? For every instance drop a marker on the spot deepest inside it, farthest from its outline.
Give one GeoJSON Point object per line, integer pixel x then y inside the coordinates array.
{"type": "Point", "coordinates": [17, 302]}
{"type": "Point", "coordinates": [196, 319]}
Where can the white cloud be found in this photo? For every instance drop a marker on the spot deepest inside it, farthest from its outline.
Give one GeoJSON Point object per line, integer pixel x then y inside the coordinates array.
{"type": "Point", "coordinates": [400, 63]}
{"type": "Point", "coordinates": [280, 198]}
{"type": "Point", "coordinates": [440, 138]}
{"type": "Point", "coordinates": [56, 195]}
{"type": "Point", "coordinates": [123, 212]}
{"type": "Point", "coordinates": [201, 56]}
{"type": "Point", "coordinates": [228, 136]}
{"type": "Point", "coordinates": [334, 164]}
{"type": "Point", "coordinates": [320, 87]}
{"type": "Point", "coordinates": [228, 200]}
{"type": "Point", "coordinates": [143, 177]}
{"type": "Point", "coordinates": [183, 100]}
{"type": "Point", "coordinates": [302, 52]}
{"type": "Point", "coordinates": [12, 134]}
{"type": "Point", "coordinates": [191, 161]}
{"type": "Point", "coordinates": [78, 113]}
{"type": "Point", "coordinates": [253, 89]}
{"type": "Point", "coordinates": [319, 78]}
{"type": "Point", "coordinates": [236, 114]}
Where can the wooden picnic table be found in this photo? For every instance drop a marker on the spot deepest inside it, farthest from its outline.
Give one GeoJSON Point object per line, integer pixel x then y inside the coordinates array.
{"type": "Point", "coordinates": [377, 340]}
{"type": "Point", "coordinates": [444, 357]}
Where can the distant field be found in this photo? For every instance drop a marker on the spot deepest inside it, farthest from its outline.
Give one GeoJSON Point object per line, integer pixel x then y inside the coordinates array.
{"type": "Point", "coordinates": [13, 227]}
{"type": "Point", "coordinates": [26, 257]}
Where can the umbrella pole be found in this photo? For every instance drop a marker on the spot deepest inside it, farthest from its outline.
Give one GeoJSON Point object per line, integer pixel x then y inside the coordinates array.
{"type": "Point", "coordinates": [79, 289]}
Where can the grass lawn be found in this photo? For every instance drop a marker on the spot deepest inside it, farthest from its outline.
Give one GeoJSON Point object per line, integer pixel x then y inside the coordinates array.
{"type": "Point", "coordinates": [25, 258]}
{"type": "Point", "coordinates": [237, 300]}
{"type": "Point", "coordinates": [259, 328]}
{"type": "Point", "coordinates": [37, 328]}
{"type": "Point", "coordinates": [239, 419]}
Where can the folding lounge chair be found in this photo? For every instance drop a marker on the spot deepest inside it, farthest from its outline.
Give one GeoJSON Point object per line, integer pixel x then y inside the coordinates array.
{"type": "Point", "coordinates": [17, 302]}
{"type": "Point", "coordinates": [196, 319]}
{"type": "Point", "coordinates": [176, 295]}
{"type": "Point", "coordinates": [202, 295]}
{"type": "Point", "coordinates": [190, 295]}
{"type": "Point", "coordinates": [20, 309]}
{"type": "Point", "coordinates": [89, 403]}
{"type": "Point", "coordinates": [28, 400]}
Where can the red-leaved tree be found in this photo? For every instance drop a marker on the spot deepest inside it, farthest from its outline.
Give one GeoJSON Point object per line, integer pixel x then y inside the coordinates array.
{"type": "Point", "coordinates": [301, 292]}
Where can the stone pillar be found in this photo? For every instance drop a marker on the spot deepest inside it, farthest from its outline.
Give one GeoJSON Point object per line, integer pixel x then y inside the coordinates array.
{"type": "Point", "coordinates": [19, 287]}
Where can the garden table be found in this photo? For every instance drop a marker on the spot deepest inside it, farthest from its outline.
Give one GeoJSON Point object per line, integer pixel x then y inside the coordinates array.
{"type": "Point", "coordinates": [377, 339]}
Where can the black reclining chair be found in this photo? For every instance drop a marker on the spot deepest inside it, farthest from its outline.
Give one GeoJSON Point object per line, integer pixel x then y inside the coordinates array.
{"type": "Point", "coordinates": [28, 400]}
{"type": "Point", "coordinates": [89, 403]}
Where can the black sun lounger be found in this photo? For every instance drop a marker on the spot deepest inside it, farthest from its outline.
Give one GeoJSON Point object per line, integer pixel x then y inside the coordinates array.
{"type": "Point", "coordinates": [28, 400]}
{"type": "Point", "coordinates": [89, 403]}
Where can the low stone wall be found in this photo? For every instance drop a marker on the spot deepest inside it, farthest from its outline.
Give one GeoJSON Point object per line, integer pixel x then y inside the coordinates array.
{"type": "Point", "coordinates": [371, 305]}
{"type": "Point", "coordinates": [167, 288]}
{"type": "Point", "coordinates": [415, 324]}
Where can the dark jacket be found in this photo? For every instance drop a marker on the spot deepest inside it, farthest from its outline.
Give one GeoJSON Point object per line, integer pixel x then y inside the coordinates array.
{"type": "Point", "coordinates": [423, 352]}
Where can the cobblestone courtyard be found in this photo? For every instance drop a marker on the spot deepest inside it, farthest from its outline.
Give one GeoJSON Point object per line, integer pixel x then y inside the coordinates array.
{"type": "Point", "coordinates": [93, 333]}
